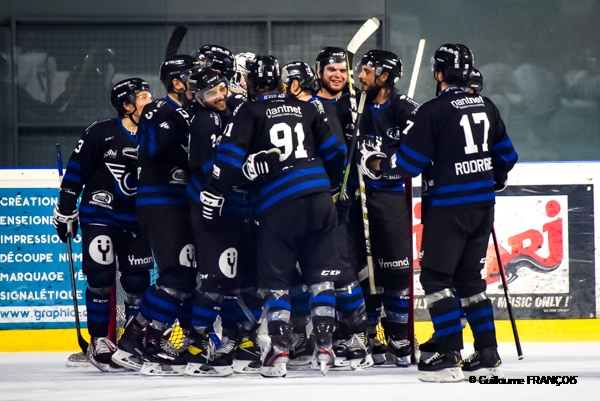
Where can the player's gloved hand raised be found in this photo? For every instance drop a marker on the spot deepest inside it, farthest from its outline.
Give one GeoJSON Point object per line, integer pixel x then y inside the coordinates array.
{"type": "Point", "coordinates": [65, 223]}
{"type": "Point", "coordinates": [261, 164]}
{"type": "Point", "coordinates": [211, 205]}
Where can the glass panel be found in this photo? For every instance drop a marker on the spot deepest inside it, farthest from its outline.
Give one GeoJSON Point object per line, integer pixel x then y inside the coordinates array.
{"type": "Point", "coordinates": [6, 103]}
{"type": "Point", "coordinates": [539, 60]}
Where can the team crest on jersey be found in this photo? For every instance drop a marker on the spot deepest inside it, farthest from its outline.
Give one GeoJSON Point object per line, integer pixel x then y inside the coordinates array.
{"type": "Point", "coordinates": [393, 133]}
{"type": "Point", "coordinates": [125, 180]}
{"type": "Point", "coordinates": [101, 250]}
{"type": "Point", "coordinates": [102, 198]}
{"type": "Point", "coordinates": [179, 176]}
{"type": "Point", "coordinates": [110, 153]}
{"type": "Point", "coordinates": [228, 262]}
{"type": "Point", "coordinates": [186, 256]}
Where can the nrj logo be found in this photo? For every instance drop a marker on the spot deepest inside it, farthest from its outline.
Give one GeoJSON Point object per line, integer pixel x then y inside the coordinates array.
{"type": "Point", "coordinates": [539, 248]}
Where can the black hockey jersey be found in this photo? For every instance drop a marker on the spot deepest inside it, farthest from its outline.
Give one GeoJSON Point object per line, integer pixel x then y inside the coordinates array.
{"type": "Point", "coordinates": [459, 143]}
{"type": "Point", "coordinates": [163, 170]}
{"type": "Point", "coordinates": [311, 154]}
{"type": "Point", "coordinates": [329, 112]}
{"type": "Point", "coordinates": [380, 128]}
{"type": "Point", "coordinates": [104, 166]}
{"type": "Point", "coordinates": [206, 130]}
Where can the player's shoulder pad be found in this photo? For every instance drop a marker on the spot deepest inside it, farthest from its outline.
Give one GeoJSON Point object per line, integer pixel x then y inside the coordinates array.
{"type": "Point", "coordinates": [100, 126]}
{"type": "Point", "coordinates": [409, 100]}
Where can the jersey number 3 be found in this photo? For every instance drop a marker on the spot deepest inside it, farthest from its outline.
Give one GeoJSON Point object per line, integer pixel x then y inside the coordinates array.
{"type": "Point", "coordinates": [478, 118]}
{"type": "Point", "coordinates": [287, 140]}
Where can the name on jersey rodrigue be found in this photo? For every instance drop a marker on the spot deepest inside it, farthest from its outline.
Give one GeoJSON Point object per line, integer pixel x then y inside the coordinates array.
{"type": "Point", "coordinates": [284, 110]}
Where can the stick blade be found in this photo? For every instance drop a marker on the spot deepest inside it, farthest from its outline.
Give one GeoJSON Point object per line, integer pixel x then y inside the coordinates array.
{"type": "Point", "coordinates": [175, 41]}
{"type": "Point", "coordinates": [365, 31]}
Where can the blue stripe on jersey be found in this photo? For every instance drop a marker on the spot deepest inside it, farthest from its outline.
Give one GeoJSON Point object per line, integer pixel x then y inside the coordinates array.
{"type": "Point", "coordinates": [331, 148]}
{"type": "Point", "coordinates": [160, 201]}
{"type": "Point", "coordinates": [73, 178]}
{"type": "Point", "coordinates": [160, 189]}
{"type": "Point", "coordinates": [503, 145]}
{"type": "Point", "coordinates": [407, 166]}
{"type": "Point", "coordinates": [463, 199]}
{"type": "Point", "coordinates": [444, 189]}
{"type": "Point", "coordinates": [292, 190]}
{"type": "Point", "coordinates": [289, 177]}
{"type": "Point", "coordinates": [413, 154]}
{"type": "Point", "coordinates": [208, 166]}
{"type": "Point", "coordinates": [149, 128]}
{"type": "Point", "coordinates": [229, 160]}
{"type": "Point", "coordinates": [385, 185]}
{"type": "Point", "coordinates": [507, 158]}
{"type": "Point", "coordinates": [74, 165]}
{"type": "Point", "coordinates": [233, 148]}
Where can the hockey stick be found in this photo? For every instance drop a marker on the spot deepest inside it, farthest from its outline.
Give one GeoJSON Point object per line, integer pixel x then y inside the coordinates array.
{"type": "Point", "coordinates": [82, 343]}
{"type": "Point", "coordinates": [175, 41]}
{"type": "Point", "coordinates": [408, 193]}
{"type": "Point", "coordinates": [361, 36]}
{"type": "Point", "coordinates": [507, 296]}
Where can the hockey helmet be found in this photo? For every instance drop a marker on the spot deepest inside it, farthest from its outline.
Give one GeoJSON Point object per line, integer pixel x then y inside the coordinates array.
{"type": "Point", "coordinates": [180, 67]}
{"type": "Point", "coordinates": [302, 72]}
{"type": "Point", "coordinates": [126, 91]}
{"type": "Point", "coordinates": [455, 61]}
{"type": "Point", "coordinates": [476, 81]}
{"type": "Point", "coordinates": [238, 82]}
{"type": "Point", "coordinates": [381, 61]}
{"type": "Point", "coordinates": [264, 72]}
{"type": "Point", "coordinates": [217, 58]}
{"type": "Point", "coordinates": [204, 82]}
{"type": "Point", "coordinates": [329, 55]}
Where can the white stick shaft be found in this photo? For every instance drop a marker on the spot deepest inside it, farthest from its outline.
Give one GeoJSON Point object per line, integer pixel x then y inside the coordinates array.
{"type": "Point", "coordinates": [415, 74]}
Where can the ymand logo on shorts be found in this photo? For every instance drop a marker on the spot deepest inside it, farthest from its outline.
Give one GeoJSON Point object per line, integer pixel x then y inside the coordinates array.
{"type": "Point", "coordinates": [186, 256]}
{"type": "Point", "coordinates": [391, 264]}
{"type": "Point", "coordinates": [228, 262]}
{"type": "Point", "coordinates": [101, 250]}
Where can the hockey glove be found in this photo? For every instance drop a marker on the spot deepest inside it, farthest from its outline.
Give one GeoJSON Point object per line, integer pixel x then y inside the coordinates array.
{"type": "Point", "coordinates": [261, 164]}
{"type": "Point", "coordinates": [66, 224]}
{"type": "Point", "coordinates": [211, 205]}
{"type": "Point", "coordinates": [364, 164]}
{"type": "Point", "coordinates": [500, 186]}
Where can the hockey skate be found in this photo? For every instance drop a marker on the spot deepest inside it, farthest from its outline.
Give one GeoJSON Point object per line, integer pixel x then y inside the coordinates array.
{"type": "Point", "coordinates": [301, 351]}
{"type": "Point", "coordinates": [275, 345]}
{"type": "Point", "coordinates": [162, 356]}
{"type": "Point", "coordinates": [247, 355]}
{"type": "Point", "coordinates": [428, 348]}
{"type": "Point", "coordinates": [130, 346]}
{"type": "Point", "coordinates": [353, 352]}
{"type": "Point", "coordinates": [100, 352]}
{"type": "Point", "coordinates": [399, 352]}
{"type": "Point", "coordinates": [442, 368]}
{"type": "Point", "coordinates": [378, 349]}
{"type": "Point", "coordinates": [79, 360]}
{"type": "Point", "coordinates": [208, 355]}
{"type": "Point", "coordinates": [323, 355]}
{"type": "Point", "coordinates": [483, 363]}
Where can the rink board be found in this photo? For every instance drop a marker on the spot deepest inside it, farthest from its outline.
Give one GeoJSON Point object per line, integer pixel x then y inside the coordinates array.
{"type": "Point", "coordinates": [545, 222]}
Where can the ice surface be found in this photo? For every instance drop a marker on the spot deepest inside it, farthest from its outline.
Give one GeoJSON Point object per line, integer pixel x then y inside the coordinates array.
{"type": "Point", "coordinates": [43, 376]}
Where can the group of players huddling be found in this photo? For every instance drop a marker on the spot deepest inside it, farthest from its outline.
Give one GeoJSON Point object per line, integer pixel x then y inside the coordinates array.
{"type": "Point", "coordinates": [230, 185]}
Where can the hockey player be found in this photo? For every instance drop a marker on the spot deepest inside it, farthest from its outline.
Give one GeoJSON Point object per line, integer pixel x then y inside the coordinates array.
{"type": "Point", "coordinates": [163, 212]}
{"type": "Point", "coordinates": [351, 348]}
{"type": "Point", "coordinates": [222, 60]}
{"type": "Point", "coordinates": [238, 82]}
{"type": "Point", "coordinates": [225, 263]}
{"type": "Point", "coordinates": [459, 143]}
{"type": "Point", "coordinates": [294, 208]}
{"type": "Point", "coordinates": [384, 115]}
{"type": "Point", "coordinates": [332, 73]}
{"type": "Point", "coordinates": [104, 167]}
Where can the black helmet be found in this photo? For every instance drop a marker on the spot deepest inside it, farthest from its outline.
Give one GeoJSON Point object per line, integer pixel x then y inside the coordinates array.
{"type": "Point", "coordinates": [204, 80]}
{"type": "Point", "coordinates": [217, 58]}
{"type": "Point", "coordinates": [263, 72]}
{"type": "Point", "coordinates": [302, 72]}
{"type": "Point", "coordinates": [180, 66]}
{"type": "Point", "coordinates": [476, 81]}
{"type": "Point", "coordinates": [329, 55]}
{"type": "Point", "coordinates": [126, 91]}
{"type": "Point", "coordinates": [455, 61]}
{"type": "Point", "coordinates": [383, 60]}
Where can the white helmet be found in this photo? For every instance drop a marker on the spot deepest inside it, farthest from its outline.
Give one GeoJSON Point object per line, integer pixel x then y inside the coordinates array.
{"type": "Point", "coordinates": [238, 81]}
